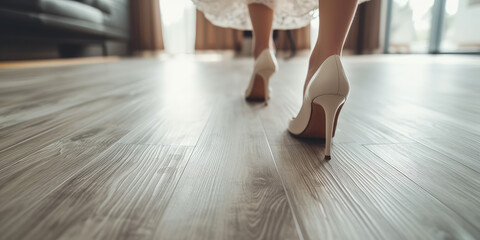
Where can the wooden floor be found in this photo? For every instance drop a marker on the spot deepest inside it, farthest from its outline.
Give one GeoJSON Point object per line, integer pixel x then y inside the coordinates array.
{"type": "Point", "coordinates": [168, 149]}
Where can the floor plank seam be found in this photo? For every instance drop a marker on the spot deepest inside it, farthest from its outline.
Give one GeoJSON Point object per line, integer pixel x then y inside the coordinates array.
{"type": "Point", "coordinates": [195, 147]}
{"type": "Point", "coordinates": [425, 190]}
{"type": "Point", "coordinates": [19, 102]}
{"type": "Point", "coordinates": [448, 157]}
{"type": "Point", "coordinates": [349, 197]}
{"type": "Point", "coordinates": [85, 101]}
{"type": "Point", "coordinates": [377, 144]}
{"type": "Point", "coordinates": [96, 97]}
{"type": "Point", "coordinates": [42, 133]}
{"type": "Point", "coordinates": [116, 143]}
{"type": "Point", "coordinates": [45, 131]}
{"type": "Point", "coordinates": [294, 215]}
{"type": "Point", "coordinates": [415, 141]}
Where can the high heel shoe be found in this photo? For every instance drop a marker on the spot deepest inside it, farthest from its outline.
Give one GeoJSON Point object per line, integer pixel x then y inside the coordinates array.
{"type": "Point", "coordinates": [265, 66]}
{"type": "Point", "coordinates": [323, 100]}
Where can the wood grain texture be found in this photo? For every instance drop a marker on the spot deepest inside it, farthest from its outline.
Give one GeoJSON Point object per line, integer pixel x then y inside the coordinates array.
{"type": "Point", "coordinates": [57, 62]}
{"type": "Point", "coordinates": [19, 86]}
{"type": "Point", "coordinates": [120, 195]}
{"type": "Point", "coordinates": [384, 117]}
{"type": "Point", "coordinates": [457, 147]}
{"type": "Point", "coordinates": [356, 195]}
{"type": "Point", "coordinates": [45, 97]}
{"type": "Point", "coordinates": [30, 136]}
{"type": "Point", "coordinates": [169, 149]}
{"type": "Point", "coordinates": [65, 157]}
{"type": "Point", "coordinates": [450, 182]}
{"type": "Point", "coordinates": [237, 193]}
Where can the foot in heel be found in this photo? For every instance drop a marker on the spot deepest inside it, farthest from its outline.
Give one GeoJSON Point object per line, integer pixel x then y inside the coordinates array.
{"type": "Point", "coordinates": [265, 66]}
{"type": "Point", "coordinates": [324, 96]}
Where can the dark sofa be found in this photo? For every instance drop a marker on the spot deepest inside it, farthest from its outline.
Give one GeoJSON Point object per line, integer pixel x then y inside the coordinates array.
{"type": "Point", "coordinates": [32, 29]}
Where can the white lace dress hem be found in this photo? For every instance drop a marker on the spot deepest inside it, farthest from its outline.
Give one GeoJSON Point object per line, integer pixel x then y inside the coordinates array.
{"type": "Point", "coordinates": [288, 14]}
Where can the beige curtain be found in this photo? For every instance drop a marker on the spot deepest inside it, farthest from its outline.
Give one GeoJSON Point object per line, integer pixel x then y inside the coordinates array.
{"type": "Point", "coordinates": [209, 36]}
{"type": "Point", "coordinates": [145, 25]}
{"type": "Point", "coordinates": [364, 35]}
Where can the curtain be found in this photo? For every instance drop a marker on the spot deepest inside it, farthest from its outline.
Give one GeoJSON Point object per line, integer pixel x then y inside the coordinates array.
{"type": "Point", "coordinates": [145, 25]}
{"type": "Point", "coordinates": [364, 35]}
{"type": "Point", "coordinates": [211, 37]}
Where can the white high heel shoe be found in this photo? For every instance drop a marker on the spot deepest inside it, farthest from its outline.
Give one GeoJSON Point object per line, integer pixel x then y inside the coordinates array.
{"type": "Point", "coordinates": [324, 97]}
{"type": "Point", "coordinates": [265, 66]}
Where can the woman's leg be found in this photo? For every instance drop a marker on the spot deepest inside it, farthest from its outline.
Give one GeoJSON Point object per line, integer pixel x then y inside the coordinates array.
{"type": "Point", "coordinates": [335, 18]}
{"type": "Point", "coordinates": [262, 20]}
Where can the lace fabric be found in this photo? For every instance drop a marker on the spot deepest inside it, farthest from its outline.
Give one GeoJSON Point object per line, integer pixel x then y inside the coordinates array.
{"type": "Point", "coordinates": [288, 14]}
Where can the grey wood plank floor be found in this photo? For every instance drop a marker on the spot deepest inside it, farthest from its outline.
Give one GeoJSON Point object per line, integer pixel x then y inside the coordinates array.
{"type": "Point", "coordinates": [168, 149]}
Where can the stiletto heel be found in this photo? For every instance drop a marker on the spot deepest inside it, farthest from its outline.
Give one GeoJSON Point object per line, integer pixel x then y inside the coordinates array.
{"type": "Point", "coordinates": [324, 97]}
{"type": "Point", "coordinates": [265, 75]}
{"type": "Point", "coordinates": [330, 104]}
{"type": "Point", "coordinates": [265, 66]}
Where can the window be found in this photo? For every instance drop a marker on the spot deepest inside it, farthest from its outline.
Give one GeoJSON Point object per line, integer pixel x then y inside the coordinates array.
{"type": "Point", "coordinates": [178, 26]}
{"type": "Point", "coordinates": [432, 26]}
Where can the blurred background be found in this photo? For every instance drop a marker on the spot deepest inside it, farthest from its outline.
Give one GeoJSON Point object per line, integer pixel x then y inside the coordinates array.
{"type": "Point", "coordinates": [51, 29]}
